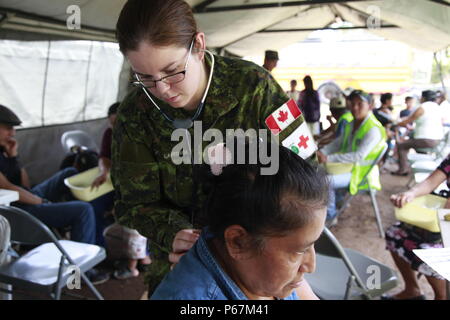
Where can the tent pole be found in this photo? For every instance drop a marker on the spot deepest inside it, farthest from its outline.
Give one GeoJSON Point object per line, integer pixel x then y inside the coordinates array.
{"type": "Point", "coordinates": [439, 68]}
{"type": "Point", "coordinates": [87, 81]}
{"type": "Point", "coordinates": [47, 62]}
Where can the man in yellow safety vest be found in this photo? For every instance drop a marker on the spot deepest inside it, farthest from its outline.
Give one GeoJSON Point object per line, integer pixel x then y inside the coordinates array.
{"type": "Point", "coordinates": [360, 144]}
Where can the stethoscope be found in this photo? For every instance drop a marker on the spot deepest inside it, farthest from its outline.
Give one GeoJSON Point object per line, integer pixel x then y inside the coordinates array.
{"type": "Point", "coordinates": [188, 122]}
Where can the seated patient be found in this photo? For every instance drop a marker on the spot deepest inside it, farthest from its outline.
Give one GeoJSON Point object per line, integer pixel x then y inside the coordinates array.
{"type": "Point", "coordinates": [362, 141]}
{"type": "Point", "coordinates": [42, 201]}
{"type": "Point", "coordinates": [260, 237]}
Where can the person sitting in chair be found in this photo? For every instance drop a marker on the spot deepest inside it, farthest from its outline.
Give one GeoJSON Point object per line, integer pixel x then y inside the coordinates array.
{"type": "Point", "coordinates": [41, 200]}
{"type": "Point", "coordinates": [428, 130]}
{"type": "Point", "coordinates": [402, 238]}
{"type": "Point", "coordinates": [360, 144]}
{"type": "Point", "coordinates": [260, 234]}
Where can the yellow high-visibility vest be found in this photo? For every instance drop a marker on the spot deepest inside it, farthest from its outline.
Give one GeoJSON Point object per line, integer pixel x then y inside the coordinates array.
{"type": "Point", "coordinates": [361, 168]}
{"type": "Point", "coordinates": [346, 116]}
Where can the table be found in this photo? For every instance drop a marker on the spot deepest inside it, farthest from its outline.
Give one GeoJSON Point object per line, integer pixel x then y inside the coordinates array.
{"type": "Point", "coordinates": [6, 197]}
{"type": "Point", "coordinates": [445, 233]}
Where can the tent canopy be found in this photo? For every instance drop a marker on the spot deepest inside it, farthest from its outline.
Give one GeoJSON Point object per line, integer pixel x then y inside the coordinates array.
{"type": "Point", "coordinates": [242, 27]}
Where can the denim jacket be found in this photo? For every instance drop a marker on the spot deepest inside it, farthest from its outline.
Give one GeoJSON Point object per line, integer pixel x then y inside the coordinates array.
{"type": "Point", "coordinates": [198, 276]}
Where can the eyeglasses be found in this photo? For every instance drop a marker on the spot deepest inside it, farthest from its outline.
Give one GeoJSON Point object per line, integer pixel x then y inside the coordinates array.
{"type": "Point", "coordinates": [170, 79]}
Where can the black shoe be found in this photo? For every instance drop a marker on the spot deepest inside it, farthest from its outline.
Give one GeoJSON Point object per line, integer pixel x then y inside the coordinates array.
{"type": "Point", "coordinates": [97, 276]}
{"type": "Point", "coordinates": [389, 297]}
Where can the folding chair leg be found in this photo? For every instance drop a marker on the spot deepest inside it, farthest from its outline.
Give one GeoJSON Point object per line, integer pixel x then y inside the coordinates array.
{"type": "Point", "coordinates": [91, 286]}
{"type": "Point", "coordinates": [57, 294]}
{"type": "Point", "coordinates": [377, 212]}
{"type": "Point", "coordinates": [350, 281]}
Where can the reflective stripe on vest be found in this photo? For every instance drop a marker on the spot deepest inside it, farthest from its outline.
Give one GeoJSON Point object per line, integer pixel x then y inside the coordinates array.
{"type": "Point", "coordinates": [361, 168]}
{"type": "Point", "coordinates": [347, 117]}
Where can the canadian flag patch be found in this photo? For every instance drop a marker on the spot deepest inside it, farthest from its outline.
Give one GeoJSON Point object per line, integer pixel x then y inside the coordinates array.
{"type": "Point", "coordinates": [283, 117]}
{"type": "Point", "coordinates": [301, 142]}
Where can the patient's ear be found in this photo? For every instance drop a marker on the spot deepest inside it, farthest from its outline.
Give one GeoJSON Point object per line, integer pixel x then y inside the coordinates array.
{"type": "Point", "coordinates": [237, 241]}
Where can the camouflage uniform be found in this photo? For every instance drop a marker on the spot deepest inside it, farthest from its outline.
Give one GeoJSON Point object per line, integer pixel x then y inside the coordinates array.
{"type": "Point", "coordinates": [155, 196]}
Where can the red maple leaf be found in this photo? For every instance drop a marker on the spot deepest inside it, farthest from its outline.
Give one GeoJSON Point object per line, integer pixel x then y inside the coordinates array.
{"type": "Point", "coordinates": [283, 116]}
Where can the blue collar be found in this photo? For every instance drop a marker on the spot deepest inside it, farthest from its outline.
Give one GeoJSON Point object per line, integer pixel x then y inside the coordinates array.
{"type": "Point", "coordinates": [225, 283]}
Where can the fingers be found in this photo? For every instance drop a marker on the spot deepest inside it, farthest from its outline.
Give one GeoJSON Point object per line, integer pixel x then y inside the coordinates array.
{"type": "Point", "coordinates": [98, 182]}
{"type": "Point", "coordinates": [396, 200]}
{"type": "Point", "coordinates": [184, 240]}
{"type": "Point", "coordinates": [188, 235]}
{"type": "Point", "coordinates": [399, 200]}
{"type": "Point", "coordinates": [174, 258]}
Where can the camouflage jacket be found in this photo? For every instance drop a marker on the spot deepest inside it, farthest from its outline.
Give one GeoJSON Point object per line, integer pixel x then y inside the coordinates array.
{"type": "Point", "coordinates": [155, 196]}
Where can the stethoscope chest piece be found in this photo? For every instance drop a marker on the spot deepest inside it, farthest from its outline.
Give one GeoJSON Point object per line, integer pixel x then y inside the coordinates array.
{"type": "Point", "coordinates": [182, 123]}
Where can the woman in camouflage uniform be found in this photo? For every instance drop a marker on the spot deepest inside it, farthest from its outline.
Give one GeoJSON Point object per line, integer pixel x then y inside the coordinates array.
{"type": "Point", "coordinates": [166, 51]}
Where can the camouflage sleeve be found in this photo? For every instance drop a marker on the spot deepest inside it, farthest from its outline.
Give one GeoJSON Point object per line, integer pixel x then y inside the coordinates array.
{"type": "Point", "coordinates": [271, 96]}
{"type": "Point", "coordinates": [136, 179]}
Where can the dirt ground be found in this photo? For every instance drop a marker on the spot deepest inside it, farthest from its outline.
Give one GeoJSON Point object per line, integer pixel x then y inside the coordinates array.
{"type": "Point", "coordinates": [356, 229]}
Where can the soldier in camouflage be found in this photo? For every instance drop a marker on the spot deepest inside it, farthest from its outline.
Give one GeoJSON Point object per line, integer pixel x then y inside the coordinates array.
{"type": "Point", "coordinates": [153, 195]}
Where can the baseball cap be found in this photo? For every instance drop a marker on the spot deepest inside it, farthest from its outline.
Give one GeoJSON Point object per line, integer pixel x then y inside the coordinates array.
{"type": "Point", "coordinates": [8, 117]}
{"type": "Point", "coordinates": [360, 94]}
{"type": "Point", "coordinates": [337, 102]}
{"type": "Point", "coordinates": [429, 95]}
{"type": "Point", "coordinates": [271, 55]}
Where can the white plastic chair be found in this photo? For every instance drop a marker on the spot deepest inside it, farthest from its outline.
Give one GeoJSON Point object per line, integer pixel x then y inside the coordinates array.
{"type": "Point", "coordinates": [45, 269]}
{"type": "Point", "coordinates": [77, 138]}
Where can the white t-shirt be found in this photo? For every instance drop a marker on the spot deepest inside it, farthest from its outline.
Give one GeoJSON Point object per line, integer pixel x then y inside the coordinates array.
{"type": "Point", "coordinates": [293, 95]}
{"type": "Point", "coordinates": [429, 125]}
{"type": "Point", "coordinates": [445, 111]}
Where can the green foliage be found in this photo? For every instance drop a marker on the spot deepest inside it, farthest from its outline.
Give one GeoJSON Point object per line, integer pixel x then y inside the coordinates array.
{"type": "Point", "coordinates": [444, 59]}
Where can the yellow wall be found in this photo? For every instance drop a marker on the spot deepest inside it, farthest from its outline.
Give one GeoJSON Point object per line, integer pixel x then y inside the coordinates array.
{"type": "Point", "coordinates": [370, 79]}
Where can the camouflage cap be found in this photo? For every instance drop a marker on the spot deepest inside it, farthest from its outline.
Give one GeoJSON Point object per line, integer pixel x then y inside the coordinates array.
{"type": "Point", "coordinates": [271, 55]}
{"type": "Point", "coordinates": [8, 117]}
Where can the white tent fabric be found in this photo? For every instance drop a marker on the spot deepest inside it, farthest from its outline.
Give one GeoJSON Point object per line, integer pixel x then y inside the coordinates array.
{"type": "Point", "coordinates": [68, 85]}
{"type": "Point", "coordinates": [424, 24]}
{"type": "Point", "coordinates": [311, 17]}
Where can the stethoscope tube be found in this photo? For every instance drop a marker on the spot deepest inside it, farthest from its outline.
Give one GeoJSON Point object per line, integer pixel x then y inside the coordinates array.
{"type": "Point", "coordinates": [188, 122]}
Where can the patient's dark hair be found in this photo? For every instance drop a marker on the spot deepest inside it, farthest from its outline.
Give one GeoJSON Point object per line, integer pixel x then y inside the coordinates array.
{"type": "Point", "coordinates": [266, 205]}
